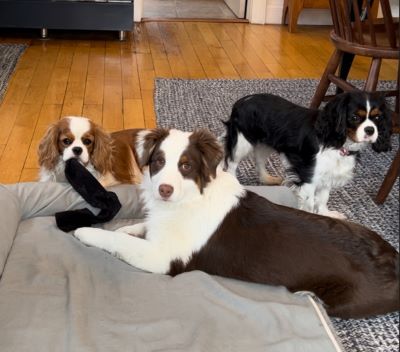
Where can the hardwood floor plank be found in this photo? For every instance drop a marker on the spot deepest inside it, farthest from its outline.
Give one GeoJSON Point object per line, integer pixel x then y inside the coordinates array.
{"type": "Point", "coordinates": [248, 51]}
{"type": "Point", "coordinates": [158, 51]}
{"type": "Point", "coordinates": [94, 112]}
{"type": "Point", "coordinates": [130, 77]}
{"type": "Point", "coordinates": [18, 144]}
{"type": "Point", "coordinates": [75, 93]}
{"type": "Point", "coordinates": [112, 104]}
{"type": "Point", "coordinates": [48, 114]}
{"type": "Point", "coordinates": [8, 115]}
{"type": "Point", "coordinates": [133, 113]}
{"type": "Point", "coordinates": [2, 147]}
{"type": "Point", "coordinates": [175, 59]}
{"type": "Point", "coordinates": [57, 87]}
{"type": "Point", "coordinates": [210, 65]}
{"type": "Point", "coordinates": [148, 109]}
{"type": "Point", "coordinates": [239, 62]}
{"type": "Point", "coordinates": [189, 55]}
{"type": "Point", "coordinates": [94, 89]}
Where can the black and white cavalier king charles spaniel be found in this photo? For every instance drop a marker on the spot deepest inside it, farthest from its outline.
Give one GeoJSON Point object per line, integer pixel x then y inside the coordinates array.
{"type": "Point", "coordinates": [199, 217]}
{"type": "Point", "coordinates": [109, 157]}
{"type": "Point", "coordinates": [319, 148]}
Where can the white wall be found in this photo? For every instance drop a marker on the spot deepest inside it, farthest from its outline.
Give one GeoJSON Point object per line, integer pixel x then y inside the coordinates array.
{"type": "Point", "coordinates": [270, 11]}
{"type": "Point", "coordinates": [138, 10]}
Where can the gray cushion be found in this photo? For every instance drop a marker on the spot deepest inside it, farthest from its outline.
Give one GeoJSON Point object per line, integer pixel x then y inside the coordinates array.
{"type": "Point", "coordinates": [58, 295]}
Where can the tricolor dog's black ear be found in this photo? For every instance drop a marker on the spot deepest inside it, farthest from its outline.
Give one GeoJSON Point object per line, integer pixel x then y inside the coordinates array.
{"type": "Point", "coordinates": [211, 153]}
{"type": "Point", "coordinates": [384, 125]}
{"type": "Point", "coordinates": [332, 121]}
{"type": "Point", "coordinates": [146, 142]}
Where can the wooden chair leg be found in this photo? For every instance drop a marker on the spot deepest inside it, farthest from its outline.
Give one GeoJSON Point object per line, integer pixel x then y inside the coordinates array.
{"type": "Point", "coordinates": [324, 82]}
{"type": "Point", "coordinates": [295, 7]}
{"type": "Point", "coordinates": [344, 68]}
{"type": "Point", "coordinates": [396, 108]}
{"type": "Point", "coordinates": [284, 11]}
{"type": "Point", "coordinates": [389, 180]}
{"type": "Point", "coordinates": [373, 75]}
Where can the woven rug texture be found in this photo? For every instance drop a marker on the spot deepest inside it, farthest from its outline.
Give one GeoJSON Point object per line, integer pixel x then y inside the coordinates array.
{"type": "Point", "coordinates": [9, 55]}
{"type": "Point", "coordinates": [190, 104]}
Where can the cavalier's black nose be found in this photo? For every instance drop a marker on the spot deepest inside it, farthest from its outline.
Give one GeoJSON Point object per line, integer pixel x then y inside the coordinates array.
{"type": "Point", "coordinates": [77, 151]}
{"type": "Point", "coordinates": [369, 130]}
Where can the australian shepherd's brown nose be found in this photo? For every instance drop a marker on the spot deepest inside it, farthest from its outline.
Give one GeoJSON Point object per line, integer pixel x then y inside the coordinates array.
{"type": "Point", "coordinates": [200, 218]}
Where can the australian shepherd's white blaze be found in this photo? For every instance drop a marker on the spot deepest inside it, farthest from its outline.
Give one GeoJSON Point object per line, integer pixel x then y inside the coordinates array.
{"type": "Point", "coordinates": [319, 148]}
{"type": "Point", "coordinates": [200, 218]}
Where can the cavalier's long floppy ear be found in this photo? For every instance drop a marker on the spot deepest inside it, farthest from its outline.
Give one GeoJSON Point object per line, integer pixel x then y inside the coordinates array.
{"type": "Point", "coordinates": [331, 122]}
{"type": "Point", "coordinates": [211, 155]}
{"type": "Point", "coordinates": [48, 151]}
{"type": "Point", "coordinates": [146, 142]}
{"type": "Point", "coordinates": [101, 157]}
{"type": "Point", "coordinates": [384, 125]}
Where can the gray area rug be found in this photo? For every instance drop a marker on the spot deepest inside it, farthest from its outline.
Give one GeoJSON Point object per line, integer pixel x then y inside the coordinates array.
{"type": "Point", "coordinates": [189, 104]}
{"type": "Point", "coordinates": [9, 55]}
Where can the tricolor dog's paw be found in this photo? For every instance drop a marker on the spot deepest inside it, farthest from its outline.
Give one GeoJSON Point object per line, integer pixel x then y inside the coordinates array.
{"type": "Point", "coordinates": [334, 214]}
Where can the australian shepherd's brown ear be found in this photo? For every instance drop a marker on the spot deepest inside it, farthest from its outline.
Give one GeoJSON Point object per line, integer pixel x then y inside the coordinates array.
{"type": "Point", "coordinates": [211, 152]}
{"type": "Point", "coordinates": [147, 141]}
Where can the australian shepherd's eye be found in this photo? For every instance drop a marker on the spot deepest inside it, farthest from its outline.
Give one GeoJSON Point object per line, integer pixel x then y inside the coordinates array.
{"type": "Point", "coordinates": [67, 141]}
{"type": "Point", "coordinates": [86, 141]}
{"type": "Point", "coordinates": [185, 167]}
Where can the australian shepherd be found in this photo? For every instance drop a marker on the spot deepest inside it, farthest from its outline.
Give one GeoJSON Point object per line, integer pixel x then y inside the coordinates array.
{"type": "Point", "coordinates": [200, 218]}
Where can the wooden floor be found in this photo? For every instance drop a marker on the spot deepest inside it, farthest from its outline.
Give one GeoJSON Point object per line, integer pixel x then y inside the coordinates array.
{"type": "Point", "coordinates": [111, 82]}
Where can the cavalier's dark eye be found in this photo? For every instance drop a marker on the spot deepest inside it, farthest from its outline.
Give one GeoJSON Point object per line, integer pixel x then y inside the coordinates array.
{"type": "Point", "coordinates": [67, 141]}
{"type": "Point", "coordinates": [355, 118]}
{"type": "Point", "coordinates": [86, 141]}
{"type": "Point", "coordinates": [186, 167]}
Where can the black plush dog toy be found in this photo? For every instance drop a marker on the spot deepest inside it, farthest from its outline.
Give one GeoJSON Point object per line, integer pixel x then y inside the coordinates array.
{"type": "Point", "coordinates": [92, 192]}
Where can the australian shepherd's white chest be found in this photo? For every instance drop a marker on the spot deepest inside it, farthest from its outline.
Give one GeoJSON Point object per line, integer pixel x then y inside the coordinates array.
{"type": "Point", "coordinates": [200, 218]}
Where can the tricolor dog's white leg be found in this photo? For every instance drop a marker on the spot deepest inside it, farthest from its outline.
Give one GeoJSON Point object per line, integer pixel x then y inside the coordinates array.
{"type": "Point", "coordinates": [321, 201]}
{"type": "Point", "coordinates": [306, 194]}
{"type": "Point", "coordinates": [135, 251]}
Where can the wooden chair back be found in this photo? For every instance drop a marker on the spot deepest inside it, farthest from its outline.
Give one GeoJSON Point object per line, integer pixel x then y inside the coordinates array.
{"type": "Point", "coordinates": [356, 21]}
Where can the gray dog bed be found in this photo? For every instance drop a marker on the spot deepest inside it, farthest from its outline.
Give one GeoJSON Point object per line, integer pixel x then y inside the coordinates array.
{"type": "Point", "coordinates": [58, 295]}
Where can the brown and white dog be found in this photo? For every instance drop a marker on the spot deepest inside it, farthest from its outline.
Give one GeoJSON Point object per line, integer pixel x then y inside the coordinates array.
{"type": "Point", "coordinates": [200, 218]}
{"type": "Point", "coordinates": [109, 157]}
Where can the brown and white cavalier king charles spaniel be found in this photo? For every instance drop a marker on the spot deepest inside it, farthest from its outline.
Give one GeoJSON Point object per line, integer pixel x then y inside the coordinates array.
{"type": "Point", "coordinates": [109, 157]}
